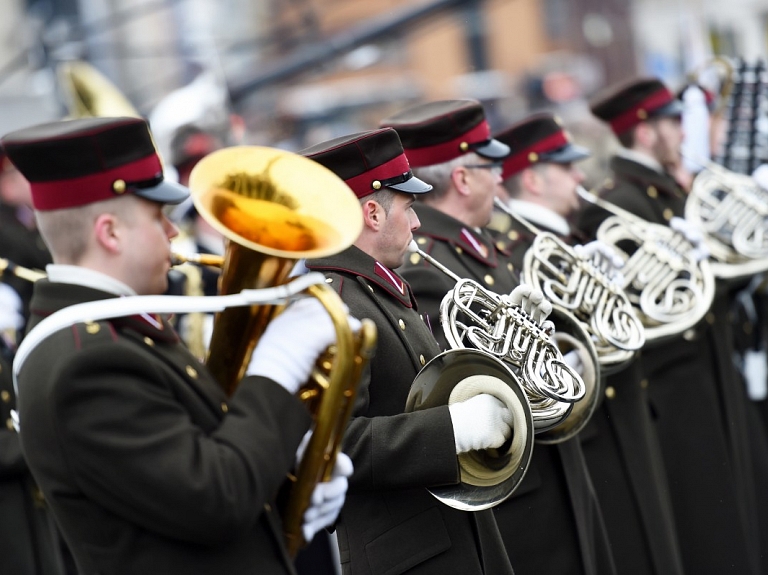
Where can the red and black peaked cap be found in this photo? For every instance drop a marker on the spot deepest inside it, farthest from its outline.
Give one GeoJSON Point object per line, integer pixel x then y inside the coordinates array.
{"type": "Point", "coordinates": [72, 163]}
{"type": "Point", "coordinates": [538, 138]}
{"type": "Point", "coordinates": [438, 132]}
{"type": "Point", "coordinates": [625, 105]}
{"type": "Point", "coordinates": [368, 161]}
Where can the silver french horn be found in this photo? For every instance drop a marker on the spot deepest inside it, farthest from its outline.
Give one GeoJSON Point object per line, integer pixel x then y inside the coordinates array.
{"type": "Point", "coordinates": [670, 288]}
{"type": "Point", "coordinates": [584, 288]}
{"type": "Point", "coordinates": [473, 317]}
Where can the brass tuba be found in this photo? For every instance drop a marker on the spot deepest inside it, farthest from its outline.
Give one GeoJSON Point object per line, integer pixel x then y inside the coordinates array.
{"type": "Point", "coordinates": [473, 317]}
{"type": "Point", "coordinates": [670, 290]}
{"type": "Point", "coordinates": [583, 288]}
{"type": "Point", "coordinates": [88, 93]}
{"type": "Point", "coordinates": [274, 208]}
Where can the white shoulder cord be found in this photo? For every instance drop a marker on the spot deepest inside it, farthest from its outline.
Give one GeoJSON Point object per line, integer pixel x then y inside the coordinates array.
{"type": "Point", "coordinates": [133, 305]}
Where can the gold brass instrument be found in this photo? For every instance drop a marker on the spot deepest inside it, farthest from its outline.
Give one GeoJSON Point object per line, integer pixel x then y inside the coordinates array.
{"type": "Point", "coordinates": [670, 290]}
{"type": "Point", "coordinates": [274, 208]}
{"type": "Point", "coordinates": [731, 210]}
{"type": "Point", "coordinates": [476, 318]}
{"type": "Point", "coordinates": [89, 93]}
{"type": "Point", "coordinates": [582, 288]}
{"type": "Point", "coordinates": [30, 275]}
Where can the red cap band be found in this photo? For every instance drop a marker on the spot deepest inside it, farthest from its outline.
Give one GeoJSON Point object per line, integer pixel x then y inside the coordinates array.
{"type": "Point", "coordinates": [75, 192]}
{"type": "Point", "coordinates": [522, 159]}
{"type": "Point", "coordinates": [446, 151]}
{"type": "Point", "coordinates": [641, 111]}
{"type": "Point", "coordinates": [362, 185]}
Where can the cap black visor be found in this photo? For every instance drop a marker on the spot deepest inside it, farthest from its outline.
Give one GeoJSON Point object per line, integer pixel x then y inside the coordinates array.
{"type": "Point", "coordinates": [412, 186]}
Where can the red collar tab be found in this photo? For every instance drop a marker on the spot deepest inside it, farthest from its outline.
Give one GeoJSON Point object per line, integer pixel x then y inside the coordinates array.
{"type": "Point", "coordinates": [477, 247]}
{"type": "Point", "coordinates": [641, 111]}
{"type": "Point", "coordinates": [446, 151]}
{"type": "Point", "coordinates": [362, 185]}
{"type": "Point", "coordinates": [390, 277]}
{"type": "Point", "coordinates": [530, 155]}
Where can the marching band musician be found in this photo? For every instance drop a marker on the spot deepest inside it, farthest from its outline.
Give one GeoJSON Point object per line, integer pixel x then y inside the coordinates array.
{"type": "Point", "coordinates": [695, 394]}
{"type": "Point", "coordinates": [620, 444]}
{"type": "Point", "coordinates": [147, 465]}
{"type": "Point", "coordinates": [390, 523]}
{"type": "Point", "coordinates": [449, 145]}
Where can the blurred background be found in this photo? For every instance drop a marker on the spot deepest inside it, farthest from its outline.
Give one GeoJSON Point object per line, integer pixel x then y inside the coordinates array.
{"type": "Point", "coordinates": [290, 73]}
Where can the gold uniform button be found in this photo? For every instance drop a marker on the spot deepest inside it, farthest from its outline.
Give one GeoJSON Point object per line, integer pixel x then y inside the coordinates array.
{"type": "Point", "coordinates": [370, 288]}
{"type": "Point", "coordinates": [421, 241]}
{"type": "Point", "coordinates": [489, 279]}
{"type": "Point", "coordinates": [5, 396]}
{"type": "Point", "coordinates": [92, 327]}
{"type": "Point", "coordinates": [644, 383]}
{"type": "Point", "coordinates": [415, 258]}
{"type": "Point", "coordinates": [401, 323]}
{"type": "Point", "coordinates": [689, 335]}
{"type": "Point", "coordinates": [329, 280]}
{"type": "Point", "coordinates": [224, 407]}
{"type": "Point", "coordinates": [710, 317]}
{"type": "Point", "coordinates": [191, 372]}
{"type": "Point", "coordinates": [513, 235]}
{"type": "Point", "coordinates": [422, 360]}
{"type": "Point", "coordinates": [533, 157]}
{"type": "Point", "coordinates": [501, 246]}
{"type": "Point", "coordinates": [652, 192]}
{"type": "Point", "coordinates": [510, 267]}
{"type": "Point", "coordinates": [149, 341]}
{"type": "Point", "coordinates": [459, 250]}
{"type": "Point", "coordinates": [610, 392]}
{"type": "Point", "coordinates": [668, 214]}
{"type": "Point", "coordinates": [9, 423]}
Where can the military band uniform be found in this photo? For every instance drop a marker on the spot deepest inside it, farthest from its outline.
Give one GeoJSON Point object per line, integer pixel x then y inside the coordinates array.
{"type": "Point", "coordinates": [623, 456]}
{"type": "Point", "coordinates": [556, 493]}
{"type": "Point", "coordinates": [101, 392]}
{"type": "Point", "coordinates": [390, 523]}
{"type": "Point", "coordinates": [703, 444]}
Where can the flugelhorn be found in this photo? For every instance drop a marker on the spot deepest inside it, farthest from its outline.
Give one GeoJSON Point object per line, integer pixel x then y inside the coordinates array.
{"type": "Point", "coordinates": [670, 288]}
{"type": "Point", "coordinates": [473, 317]}
{"type": "Point", "coordinates": [583, 287]}
{"type": "Point", "coordinates": [274, 208]}
{"type": "Point", "coordinates": [731, 210]}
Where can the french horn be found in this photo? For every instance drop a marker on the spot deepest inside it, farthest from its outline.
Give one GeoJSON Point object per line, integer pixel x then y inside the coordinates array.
{"type": "Point", "coordinates": [731, 210]}
{"type": "Point", "coordinates": [473, 317]}
{"type": "Point", "coordinates": [670, 289]}
{"type": "Point", "coordinates": [582, 287]}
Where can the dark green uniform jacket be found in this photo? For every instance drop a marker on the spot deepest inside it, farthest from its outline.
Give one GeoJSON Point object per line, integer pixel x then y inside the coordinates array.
{"type": "Point", "coordinates": [390, 523]}
{"type": "Point", "coordinates": [556, 500]}
{"type": "Point", "coordinates": [147, 466]}
{"type": "Point", "coordinates": [696, 398]}
{"type": "Point", "coordinates": [623, 456]}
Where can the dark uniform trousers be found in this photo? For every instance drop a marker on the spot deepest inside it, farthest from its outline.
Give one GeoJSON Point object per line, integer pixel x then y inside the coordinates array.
{"type": "Point", "coordinates": [29, 542]}
{"type": "Point", "coordinates": [697, 401]}
{"type": "Point", "coordinates": [390, 523]}
{"type": "Point", "coordinates": [125, 433]}
{"type": "Point", "coordinates": [556, 500]}
{"type": "Point", "coordinates": [623, 456]}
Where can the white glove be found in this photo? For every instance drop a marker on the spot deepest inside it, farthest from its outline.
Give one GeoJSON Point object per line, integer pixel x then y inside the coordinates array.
{"type": "Point", "coordinates": [292, 343]}
{"type": "Point", "coordinates": [693, 235]}
{"type": "Point", "coordinates": [604, 258]}
{"type": "Point", "coordinates": [11, 318]}
{"type": "Point", "coordinates": [327, 498]}
{"type": "Point", "coordinates": [480, 422]}
{"type": "Point", "coordinates": [531, 301]}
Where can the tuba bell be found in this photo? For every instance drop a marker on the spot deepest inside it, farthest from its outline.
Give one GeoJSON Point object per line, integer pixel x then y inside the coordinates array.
{"type": "Point", "coordinates": [274, 208]}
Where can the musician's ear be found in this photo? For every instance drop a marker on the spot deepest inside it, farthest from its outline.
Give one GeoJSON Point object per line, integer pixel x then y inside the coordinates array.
{"type": "Point", "coordinates": [531, 181]}
{"type": "Point", "coordinates": [373, 215]}
{"type": "Point", "coordinates": [459, 179]}
{"type": "Point", "coordinates": [106, 232]}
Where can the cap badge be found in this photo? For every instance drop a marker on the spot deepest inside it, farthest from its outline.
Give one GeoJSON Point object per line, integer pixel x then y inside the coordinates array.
{"type": "Point", "coordinates": [118, 186]}
{"type": "Point", "coordinates": [376, 185]}
{"type": "Point", "coordinates": [533, 157]}
{"type": "Point", "coordinates": [464, 146]}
